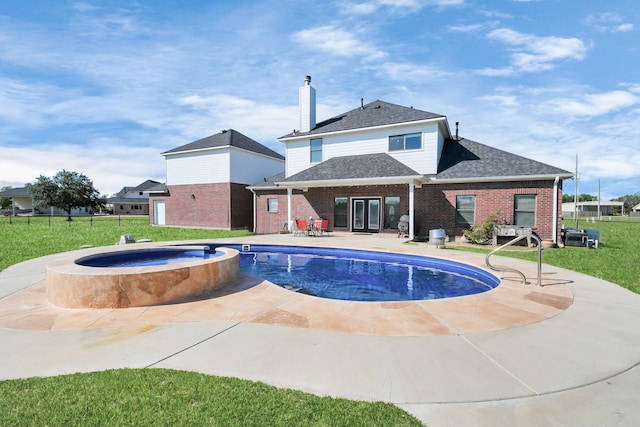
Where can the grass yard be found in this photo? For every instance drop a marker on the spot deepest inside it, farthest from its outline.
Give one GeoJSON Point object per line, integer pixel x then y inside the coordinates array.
{"type": "Point", "coordinates": [161, 397]}
{"type": "Point", "coordinates": [31, 237]}
{"type": "Point", "coordinates": [616, 260]}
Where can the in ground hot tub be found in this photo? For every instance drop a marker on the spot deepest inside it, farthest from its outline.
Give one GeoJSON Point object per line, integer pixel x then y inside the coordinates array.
{"type": "Point", "coordinates": [120, 278]}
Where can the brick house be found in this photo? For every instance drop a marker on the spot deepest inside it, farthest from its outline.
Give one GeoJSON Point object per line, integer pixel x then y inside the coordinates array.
{"type": "Point", "coordinates": [365, 168]}
{"type": "Point", "coordinates": [206, 182]}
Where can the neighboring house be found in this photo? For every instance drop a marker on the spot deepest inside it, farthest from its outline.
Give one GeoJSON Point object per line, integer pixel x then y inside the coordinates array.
{"type": "Point", "coordinates": [133, 200]}
{"type": "Point", "coordinates": [206, 182]}
{"type": "Point", "coordinates": [591, 208]}
{"type": "Point", "coordinates": [21, 200]}
{"type": "Point", "coordinates": [365, 168]}
{"type": "Point", "coordinates": [22, 203]}
{"type": "Point", "coordinates": [636, 208]}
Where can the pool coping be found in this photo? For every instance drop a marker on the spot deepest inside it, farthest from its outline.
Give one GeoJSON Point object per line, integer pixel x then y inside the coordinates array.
{"type": "Point", "coordinates": [254, 300]}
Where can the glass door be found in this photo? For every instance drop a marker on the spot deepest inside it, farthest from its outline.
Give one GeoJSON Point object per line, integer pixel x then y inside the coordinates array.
{"type": "Point", "coordinates": [366, 215]}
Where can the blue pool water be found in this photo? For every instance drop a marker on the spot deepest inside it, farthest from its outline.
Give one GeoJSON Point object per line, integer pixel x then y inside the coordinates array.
{"type": "Point", "coordinates": [355, 275]}
{"type": "Point", "coordinates": [147, 257]}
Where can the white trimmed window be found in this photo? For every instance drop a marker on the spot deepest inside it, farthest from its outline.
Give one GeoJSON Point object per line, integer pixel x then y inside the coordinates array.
{"type": "Point", "coordinates": [525, 210]}
{"type": "Point", "coordinates": [465, 210]}
{"type": "Point", "coordinates": [411, 141]}
{"type": "Point", "coordinates": [272, 205]}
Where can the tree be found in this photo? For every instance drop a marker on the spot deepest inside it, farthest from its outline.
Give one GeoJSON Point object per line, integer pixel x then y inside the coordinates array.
{"type": "Point", "coordinates": [66, 191]}
{"type": "Point", "coordinates": [630, 200]}
{"type": "Point", "coordinates": [567, 198]}
{"type": "Point", "coordinates": [5, 202]}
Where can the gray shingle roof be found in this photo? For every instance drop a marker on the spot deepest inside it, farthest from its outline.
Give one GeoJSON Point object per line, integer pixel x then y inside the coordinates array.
{"type": "Point", "coordinates": [354, 167]}
{"type": "Point", "coordinates": [269, 181]}
{"type": "Point", "coordinates": [376, 113]}
{"type": "Point", "coordinates": [226, 138]}
{"type": "Point", "coordinates": [466, 159]}
{"type": "Point", "coordinates": [16, 192]}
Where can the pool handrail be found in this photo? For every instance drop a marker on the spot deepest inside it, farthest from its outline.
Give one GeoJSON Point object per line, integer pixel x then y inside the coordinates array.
{"type": "Point", "coordinates": [513, 270]}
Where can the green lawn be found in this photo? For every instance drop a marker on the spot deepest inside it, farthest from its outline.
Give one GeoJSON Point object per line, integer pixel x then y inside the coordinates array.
{"type": "Point", "coordinates": [155, 396]}
{"type": "Point", "coordinates": [160, 397]}
{"type": "Point", "coordinates": [616, 260]}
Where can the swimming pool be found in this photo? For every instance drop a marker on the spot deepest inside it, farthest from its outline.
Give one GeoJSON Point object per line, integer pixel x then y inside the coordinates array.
{"type": "Point", "coordinates": [356, 275]}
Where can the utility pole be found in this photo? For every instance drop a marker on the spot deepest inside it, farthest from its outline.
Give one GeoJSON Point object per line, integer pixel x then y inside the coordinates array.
{"type": "Point", "coordinates": [575, 197]}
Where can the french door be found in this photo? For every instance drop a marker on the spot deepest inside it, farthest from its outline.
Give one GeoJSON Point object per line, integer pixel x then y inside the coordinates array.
{"type": "Point", "coordinates": [365, 215]}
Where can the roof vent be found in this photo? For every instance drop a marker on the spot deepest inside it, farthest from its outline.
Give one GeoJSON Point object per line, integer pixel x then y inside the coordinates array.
{"type": "Point", "coordinates": [457, 123]}
{"type": "Point", "coordinates": [362, 103]}
{"type": "Point", "coordinates": [223, 131]}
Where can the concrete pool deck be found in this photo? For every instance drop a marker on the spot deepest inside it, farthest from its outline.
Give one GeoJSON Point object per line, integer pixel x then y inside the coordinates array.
{"type": "Point", "coordinates": [563, 354]}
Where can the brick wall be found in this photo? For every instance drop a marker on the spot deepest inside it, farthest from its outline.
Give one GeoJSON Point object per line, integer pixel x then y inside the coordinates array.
{"type": "Point", "coordinates": [224, 206]}
{"type": "Point", "coordinates": [435, 204]}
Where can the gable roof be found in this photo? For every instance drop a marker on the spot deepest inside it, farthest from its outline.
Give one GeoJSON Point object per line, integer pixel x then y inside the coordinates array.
{"type": "Point", "coordinates": [227, 138]}
{"type": "Point", "coordinates": [376, 113]}
{"type": "Point", "coordinates": [361, 169]}
{"type": "Point", "coordinates": [140, 187]}
{"type": "Point", "coordinates": [16, 192]}
{"type": "Point", "coordinates": [464, 159]}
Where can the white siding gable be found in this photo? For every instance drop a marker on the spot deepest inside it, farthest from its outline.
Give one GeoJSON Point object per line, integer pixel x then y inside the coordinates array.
{"type": "Point", "coordinates": [221, 165]}
{"type": "Point", "coordinates": [371, 141]}
{"type": "Point", "coordinates": [251, 168]}
{"type": "Point", "coordinates": [198, 167]}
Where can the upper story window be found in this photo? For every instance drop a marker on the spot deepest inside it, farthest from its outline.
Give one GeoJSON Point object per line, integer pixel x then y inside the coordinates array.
{"type": "Point", "coordinates": [316, 150]}
{"type": "Point", "coordinates": [411, 141]}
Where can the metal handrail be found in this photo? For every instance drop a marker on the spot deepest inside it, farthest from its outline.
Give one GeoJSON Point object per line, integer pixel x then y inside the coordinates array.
{"type": "Point", "coordinates": [513, 270]}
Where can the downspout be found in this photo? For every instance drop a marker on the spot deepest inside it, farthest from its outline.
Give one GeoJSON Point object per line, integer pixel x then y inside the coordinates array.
{"type": "Point", "coordinates": [289, 219]}
{"type": "Point", "coordinates": [555, 210]}
{"type": "Point", "coordinates": [411, 207]}
{"type": "Point", "coordinates": [255, 212]}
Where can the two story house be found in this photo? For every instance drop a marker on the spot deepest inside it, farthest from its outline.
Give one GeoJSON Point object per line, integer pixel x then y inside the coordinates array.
{"type": "Point", "coordinates": [365, 168]}
{"type": "Point", "coordinates": [206, 182]}
{"type": "Point", "coordinates": [132, 200]}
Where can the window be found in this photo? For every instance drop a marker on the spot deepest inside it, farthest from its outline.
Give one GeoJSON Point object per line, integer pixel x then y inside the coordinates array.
{"type": "Point", "coordinates": [340, 212]}
{"type": "Point", "coordinates": [465, 210]}
{"type": "Point", "coordinates": [412, 141]}
{"type": "Point", "coordinates": [525, 210]}
{"type": "Point", "coordinates": [272, 205]}
{"type": "Point", "coordinates": [391, 212]}
{"type": "Point", "coordinates": [316, 150]}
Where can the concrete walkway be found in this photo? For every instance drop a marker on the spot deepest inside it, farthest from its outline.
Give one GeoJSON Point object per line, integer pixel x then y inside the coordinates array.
{"type": "Point", "coordinates": [572, 364]}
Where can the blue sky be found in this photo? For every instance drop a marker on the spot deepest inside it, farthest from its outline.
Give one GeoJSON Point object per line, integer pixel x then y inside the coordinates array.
{"type": "Point", "coordinates": [104, 87]}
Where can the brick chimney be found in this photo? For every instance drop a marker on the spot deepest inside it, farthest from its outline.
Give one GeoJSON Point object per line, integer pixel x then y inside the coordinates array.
{"type": "Point", "coordinates": [307, 101]}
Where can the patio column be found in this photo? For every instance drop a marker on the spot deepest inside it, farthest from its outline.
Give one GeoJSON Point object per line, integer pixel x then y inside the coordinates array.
{"type": "Point", "coordinates": [289, 219]}
{"type": "Point", "coordinates": [411, 207]}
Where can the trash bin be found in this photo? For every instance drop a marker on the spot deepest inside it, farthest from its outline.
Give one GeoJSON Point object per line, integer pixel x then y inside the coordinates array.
{"type": "Point", "coordinates": [437, 236]}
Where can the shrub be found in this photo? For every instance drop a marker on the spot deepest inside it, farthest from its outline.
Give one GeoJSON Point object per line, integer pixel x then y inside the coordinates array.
{"type": "Point", "coordinates": [482, 232]}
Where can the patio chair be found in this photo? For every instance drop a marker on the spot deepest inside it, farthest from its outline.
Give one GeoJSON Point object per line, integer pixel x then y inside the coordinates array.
{"type": "Point", "coordinates": [403, 229]}
{"type": "Point", "coordinates": [321, 226]}
{"type": "Point", "coordinates": [301, 228]}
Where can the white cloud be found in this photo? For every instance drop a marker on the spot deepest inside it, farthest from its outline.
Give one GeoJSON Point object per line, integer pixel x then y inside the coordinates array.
{"type": "Point", "coordinates": [370, 7]}
{"type": "Point", "coordinates": [608, 22]}
{"type": "Point", "coordinates": [532, 53]}
{"type": "Point", "coordinates": [592, 104]}
{"type": "Point", "coordinates": [338, 42]}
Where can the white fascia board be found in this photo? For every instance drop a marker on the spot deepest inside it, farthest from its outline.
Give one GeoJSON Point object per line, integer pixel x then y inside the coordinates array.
{"type": "Point", "coordinates": [224, 147]}
{"type": "Point", "coordinates": [197, 150]}
{"type": "Point", "coordinates": [416, 179]}
{"type": "Point", "coordinates": [342, 132]}
{"type": "Point", "coordinates": [434, 180]}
